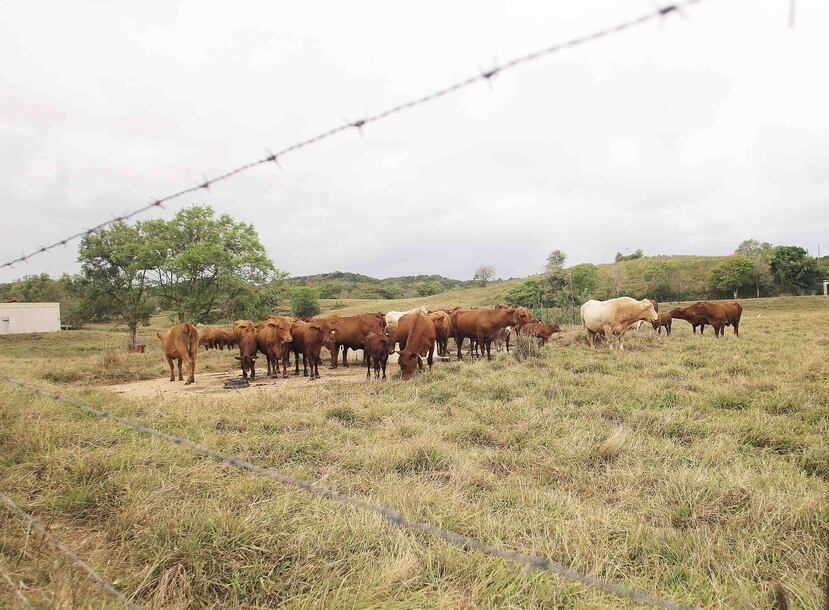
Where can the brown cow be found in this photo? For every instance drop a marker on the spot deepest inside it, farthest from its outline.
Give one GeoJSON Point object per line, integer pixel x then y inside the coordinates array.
{"type": "Point", "coordinates": [522, 316]}
{"type": "Point", "coordinates": [377, 348]}
{"type": "Point", "coordinates": [181, 342]}
{"type": "Point", "coordinates": [733, 313]}
{"type": "Point", "coordinates": [416, 334]}
{"type": "Point", "coordinates": [350, 333]}
{"type": "Point", "coordinates": [273, 338]}
{"type": "Point", "coordinates": [308, 339]}
{"type": "Point", "coordinates": [702, 313]}
{"type": "Point", "coordinates": [664, 319]}
{"type": "Point", "coordinates": [245, 334]}
{"type": "Point", "coordinates": [481, 325]}
{"type": "Point", "coordinates": [540, 330]}
{"type": "Point", "coordinates": [443, 330]}
{"type": "Point", "coordinates": [217, 337]}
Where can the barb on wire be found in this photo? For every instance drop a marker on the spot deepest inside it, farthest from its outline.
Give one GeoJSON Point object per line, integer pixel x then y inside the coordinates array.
{"type": "Point", "coordinates": [103, 583]}
{"type": "Point", "coordinates": [656, 14]}
{"type": "Point", "coordinates": [15, 589]}
{"type": "Point", "coordinates": [465, 542]}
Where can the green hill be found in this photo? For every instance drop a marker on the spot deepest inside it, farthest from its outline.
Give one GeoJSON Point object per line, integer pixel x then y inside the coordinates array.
{"type": "Point", "coordinates": [343, 285]}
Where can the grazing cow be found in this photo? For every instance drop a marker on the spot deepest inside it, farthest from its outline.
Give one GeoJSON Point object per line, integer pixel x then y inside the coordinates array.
{"type": "Point", "coordinates": [393, 317]}
{"type": "Point", "coordinates": [377, 348]}
{"type": "Point", "coordinates": [350, 333]}
{"type": "Point", "coordinates": [308, 339]}
{"type": "Point", "coordinates": [663, 319]}
{"type": "Point", "coordinates": [181, 342]}
{"type": "Point", "coordinates": [443, 330]}
{"type": "Point", "coordinates": [718, 315]}
{"type": "Point", "coordinates": [480, 325]}
{"type": "Point", "coordinates": [416, 334]}
{"type": "Point", "coordinates": [245, 334]}
{"type": "Point", "coordinates": [273, 338]}
{"type": "Point", "coordinates": [655, 308]}
{"type": "Point", "coordinates": [540, 330]}
{"type": "Point", "coordinates": [216, 337]}
{"type": "Point", "coordinates": [613, 318]}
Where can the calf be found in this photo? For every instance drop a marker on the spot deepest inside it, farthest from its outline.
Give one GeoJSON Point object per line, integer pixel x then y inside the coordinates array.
{"type": "Point", "coordinates": [664, 319]}
{"type": "Point", "coordinates": [181, 342]}
{"type": "Point", "coordinates": [245, 335]}
{"type": "Point", "coordinates": [540, 330]}
{"type": "Point", "coordinates": [377, 347]}
{"type": "Point", "coordinates": [416, 334]}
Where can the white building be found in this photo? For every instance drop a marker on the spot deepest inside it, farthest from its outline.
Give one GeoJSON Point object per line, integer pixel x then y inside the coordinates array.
{"type": "Point", "coordinates": [29, 318]}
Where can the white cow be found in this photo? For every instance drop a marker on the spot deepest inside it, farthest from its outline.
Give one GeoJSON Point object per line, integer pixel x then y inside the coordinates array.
{"type": "Point", "coordinates": [393, 317]}
{"type": "Point", "coordinates": [613, 317]}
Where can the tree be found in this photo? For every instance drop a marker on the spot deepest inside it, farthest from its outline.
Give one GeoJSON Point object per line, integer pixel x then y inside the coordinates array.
{"type": "Point", "coordinates": [305, 301]}
{"type": "Point", "coordinates": [115, 264]}
{"type": "Point", "coordinates": [638, 253]}
{"type": "Point", "coordinates": [203, 264]}
{"type": "Point", "coordinates": [428, 289]}
{"type": "Point", "coordinates": [529, 294]}
{"type": "Point", "coordinates": [555, 262]}
{"type": "Point", "coordinates": [484, 274]}
{"type": "Point", "coordinates": [660, 280]}
{"type": "Point", "coordinates": [737, 271]}
{"type": "Point", "coordinates": [618, 278]}
{"type": "Point", "coordinates": [793, 268]}
{"type": "Point", "coordinates": [760, 254]}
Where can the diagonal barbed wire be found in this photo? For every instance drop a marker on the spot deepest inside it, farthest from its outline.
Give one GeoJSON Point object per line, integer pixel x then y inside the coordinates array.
{"type": "Point", "coordinates": [487, 75]}
{"type": "Point", "coordinates": [392, 516]}
{"type": "Point", "coordinates": [103, 583]}
{"type": "Point", "coordinates": [15, 589]}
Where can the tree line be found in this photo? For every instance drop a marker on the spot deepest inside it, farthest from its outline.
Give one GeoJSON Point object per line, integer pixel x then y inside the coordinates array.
{"type": "Point", "coordinates": [756, 268]}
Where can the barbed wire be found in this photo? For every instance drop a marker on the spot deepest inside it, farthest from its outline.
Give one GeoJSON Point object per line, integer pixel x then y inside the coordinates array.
{"type": "Point", "coordinates": [487, 75]}
{"type": "Point", "coordinates": [392, 516]}
{"type": "Point", "coordinates": [103, 583]}
{"type": "Point", "coordinates": [15, 589]}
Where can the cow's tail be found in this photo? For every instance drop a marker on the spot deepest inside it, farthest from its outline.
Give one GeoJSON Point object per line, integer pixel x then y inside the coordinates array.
{"type": "Point", "coordinates": [192, 340]}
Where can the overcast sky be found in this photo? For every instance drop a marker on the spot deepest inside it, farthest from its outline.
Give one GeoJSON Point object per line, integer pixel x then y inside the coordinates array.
{"type": "Point", "coordinates": [680, 137]}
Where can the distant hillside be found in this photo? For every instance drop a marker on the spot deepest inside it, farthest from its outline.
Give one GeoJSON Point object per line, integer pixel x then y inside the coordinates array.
{"type": "Point", "coordinates": [343, 285]}
{"type": "Point", "coordinates": [688, 275]}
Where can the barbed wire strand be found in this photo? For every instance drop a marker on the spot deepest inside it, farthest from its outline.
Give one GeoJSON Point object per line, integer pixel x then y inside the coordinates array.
{"type": "Point", "coordinates": [487, 75]}
{"type": "Point", "coordinates": [103, 583]}
{"type": "Point", "coordinates": [388, 514]}
{"type": "Point", "coordinates": [15, 589]}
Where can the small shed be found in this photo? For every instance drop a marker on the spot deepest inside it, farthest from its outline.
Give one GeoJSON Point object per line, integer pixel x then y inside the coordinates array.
{"type": "Point", "coordinates": [29, 318]}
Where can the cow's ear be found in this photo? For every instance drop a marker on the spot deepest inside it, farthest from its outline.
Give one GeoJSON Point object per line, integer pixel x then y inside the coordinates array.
{"type": "Point", "coordinates": [253, 358]}
{"type": "Point", "coordinates": [315, 327]}
{"type": "Point", "coordinates": [271, 324]}
{"type": "Point", "coordinates": [237, 357]}
{"type": "Point", "coordinates": [158, 334]}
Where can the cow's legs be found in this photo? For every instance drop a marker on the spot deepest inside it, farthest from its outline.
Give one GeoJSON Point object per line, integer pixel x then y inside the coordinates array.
{"type": "Point", "coordinates": [180, 377]}
{"type": "Point", "coordinates": [368, 367]}
{"type": "Point", "coordinates": [383, 365]}
{"type": "Point", "coordinates": [668, 328]}
{"type": "Point", "coordinates": [190, 367]}
{"type": "Point", "coordinates": [506, 341]}
{"type": "Point", "coordinates": [345, 355]}
{"type": "Point", "coordinates": [296, 363]}
{"type": "Point", "coordinates": [334, 355]}
{"type": "Point", "coordinates": [172, 368]}
{"type": "Point", "coordinates": [431, 357]}
{"type": "Point", "coordinates": [459, 345]}
{"type": "Point", "coordinates": [305, 365]}
{"type": "Point", "coordinates": [591, 338]}
{"type": "Point", "coordinates": [286, 361]}
{"type": "Point", "coordinates": [608, 335]}
{"type": "Point", "coordinates": [737, 328]}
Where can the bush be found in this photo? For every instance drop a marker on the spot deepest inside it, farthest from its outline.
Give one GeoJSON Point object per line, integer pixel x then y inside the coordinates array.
{"type": "Point", "coordinates": [305, 301]}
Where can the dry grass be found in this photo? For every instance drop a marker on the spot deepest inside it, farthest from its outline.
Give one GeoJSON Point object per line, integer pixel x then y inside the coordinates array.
{"type": "Point", "coordinates": [694, 468]}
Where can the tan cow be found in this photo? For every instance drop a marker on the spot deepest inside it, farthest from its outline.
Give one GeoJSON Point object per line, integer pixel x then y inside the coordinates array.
{"type": "Point", "coordinates": [181, 342]}
{"type": "Point", "coordinates": [613, 318]}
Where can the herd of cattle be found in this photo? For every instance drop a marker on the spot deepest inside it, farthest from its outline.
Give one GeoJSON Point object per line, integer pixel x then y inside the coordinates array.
{"type": "Point", "coordinates": [418, 332]}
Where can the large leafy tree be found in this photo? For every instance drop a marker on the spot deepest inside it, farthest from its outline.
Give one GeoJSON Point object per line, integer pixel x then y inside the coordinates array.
{"type": "Point", "coordinates": [115, 267]}
{"type": "Point", "coordinates": [729, 276]}
{"type": "Point", "coordinates": [794, 269]}
{"type": "Point", "coordinates": [206, 263]}
{"type": "Point", "coordinates": [760, 254]}
{"type": "Point", "coordinates": [305, 301]}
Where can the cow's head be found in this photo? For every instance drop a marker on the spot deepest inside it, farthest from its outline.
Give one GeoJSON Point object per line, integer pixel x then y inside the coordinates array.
{"type": "Point", "coordinates": [521, 316]}
{"type": "Point", "coordinates": [648, 311]}
{"type": "Point", "coordinates": [283, 332]}
{"type": "Point", "coordinates": [408, 363]}
{"type": "Point", "coordinates": [246, 362]}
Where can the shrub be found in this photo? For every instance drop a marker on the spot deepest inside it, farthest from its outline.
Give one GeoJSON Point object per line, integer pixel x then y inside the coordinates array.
{"type": "Point", "coordinates": [305, 301]}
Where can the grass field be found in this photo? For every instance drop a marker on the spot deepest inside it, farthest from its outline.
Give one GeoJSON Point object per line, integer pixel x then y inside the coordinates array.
{"type": "Point", "coordinates": [694, 468]}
